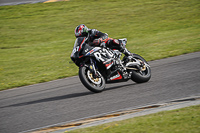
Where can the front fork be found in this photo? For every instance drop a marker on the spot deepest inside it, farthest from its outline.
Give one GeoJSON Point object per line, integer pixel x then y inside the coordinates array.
{"type": "Point", "coordinates": [92, 68]}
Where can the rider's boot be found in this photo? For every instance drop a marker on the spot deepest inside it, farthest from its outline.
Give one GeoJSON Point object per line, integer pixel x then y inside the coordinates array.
{"type": "Point", "coordinates": [125, 51]}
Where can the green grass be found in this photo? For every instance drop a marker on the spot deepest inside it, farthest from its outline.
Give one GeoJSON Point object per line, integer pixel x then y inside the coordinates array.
{"type": "Point", "coordinates": [36, 40]}
{"type": "Point", "coordinates": [186, 120]}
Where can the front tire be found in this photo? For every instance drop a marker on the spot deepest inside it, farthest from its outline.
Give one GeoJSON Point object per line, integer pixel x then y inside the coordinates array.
{"type": "Point", "coordinates": [93, 84]}
{"type": "Point", "coordinates": [141, 76]}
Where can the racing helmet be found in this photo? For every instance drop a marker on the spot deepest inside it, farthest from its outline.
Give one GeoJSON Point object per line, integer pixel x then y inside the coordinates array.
{"type": "Point", "coordinates": [81, 31]}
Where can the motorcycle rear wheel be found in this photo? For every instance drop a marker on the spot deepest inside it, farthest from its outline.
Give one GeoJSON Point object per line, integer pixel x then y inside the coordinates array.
{"type": "Point", "coordinates": [141, 76]}
{"type": "Point", "coordinates": [93, 84]}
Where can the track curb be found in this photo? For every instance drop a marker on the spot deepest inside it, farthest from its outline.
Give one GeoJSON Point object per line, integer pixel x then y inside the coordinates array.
{"type": "Point", "coordinates": [118, 115]}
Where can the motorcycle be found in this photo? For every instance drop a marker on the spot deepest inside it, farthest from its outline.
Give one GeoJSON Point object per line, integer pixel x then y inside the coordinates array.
{"type": "Point", "coordinates": [99, 66]}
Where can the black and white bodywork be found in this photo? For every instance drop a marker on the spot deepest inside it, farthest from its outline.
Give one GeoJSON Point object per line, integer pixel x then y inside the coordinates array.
{"type": "Point", "coordinates": [101, 65]}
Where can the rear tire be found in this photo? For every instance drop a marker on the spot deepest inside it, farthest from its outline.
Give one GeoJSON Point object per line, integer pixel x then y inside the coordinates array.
{"type": "Point", "coordinates": [93, 84]}
{"type": "Point", "coordinates": [141, 76]}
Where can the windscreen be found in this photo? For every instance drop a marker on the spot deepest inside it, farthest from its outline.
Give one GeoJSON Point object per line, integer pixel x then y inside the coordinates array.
{"type": "Point", "coordinates": [78, 41]}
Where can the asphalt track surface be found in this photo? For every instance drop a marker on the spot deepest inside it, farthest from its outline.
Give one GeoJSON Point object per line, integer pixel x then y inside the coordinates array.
{"type": "Point", "coordinates": [63, 100]}
{"type": "Point", "coordinates": [17, 2]}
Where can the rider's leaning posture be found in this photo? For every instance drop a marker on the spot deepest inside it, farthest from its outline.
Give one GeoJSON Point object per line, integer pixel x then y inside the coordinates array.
{"type": "Point", "coordinates": [99, 63]}
{"type": "Point", "coordinates": [97, 38]}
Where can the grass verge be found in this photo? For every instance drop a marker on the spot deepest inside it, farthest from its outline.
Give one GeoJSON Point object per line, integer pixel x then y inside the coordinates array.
{"type": "Point", "coordinates": [36, 40]}
{"type": "Point", "coordinates": [186, 120]}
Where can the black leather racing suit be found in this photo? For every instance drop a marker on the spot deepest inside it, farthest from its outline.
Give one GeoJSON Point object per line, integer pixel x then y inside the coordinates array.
{"type": "Point", "coordinates": [98, 38]}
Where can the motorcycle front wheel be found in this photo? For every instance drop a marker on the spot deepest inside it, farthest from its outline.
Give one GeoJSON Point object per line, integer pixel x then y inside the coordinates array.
{"type": "Point", "coordinates": [93, 84]}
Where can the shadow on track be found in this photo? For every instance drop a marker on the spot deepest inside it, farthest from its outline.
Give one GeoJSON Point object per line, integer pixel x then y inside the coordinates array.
{"type": "Point", "coordinates": [63, 97]}
{"type": "Point", "coordinates": [116, 87]}
{"type": "Point", "coordinates": [51, 99]}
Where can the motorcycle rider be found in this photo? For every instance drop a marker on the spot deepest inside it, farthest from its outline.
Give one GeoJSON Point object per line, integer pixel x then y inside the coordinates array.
{"type": "Point", "coordinates": [97, 38]}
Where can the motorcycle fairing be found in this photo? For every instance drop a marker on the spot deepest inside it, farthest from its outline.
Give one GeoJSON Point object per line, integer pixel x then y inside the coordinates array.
{"type": "Point", "coordinates": [108, 63]}
{"type": "Point", "coordinates": [102, 55]}
{"type": "Point", "coordinates": [92, 51]}
{"type": "Point", "coordinates": [116, 77]}
{"type": "Point", "coordinates": [79, 50]}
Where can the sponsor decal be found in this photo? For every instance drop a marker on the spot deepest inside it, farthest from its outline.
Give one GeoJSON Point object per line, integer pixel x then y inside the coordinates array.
{"type": "Point", "coordinates": [118, 76]}
{"type": "Point", "coordinates": [93, 50]}
{"type": "Point", "coordinates": [109, 65]}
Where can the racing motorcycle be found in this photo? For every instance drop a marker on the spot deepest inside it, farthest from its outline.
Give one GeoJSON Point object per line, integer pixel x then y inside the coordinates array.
{"type": "Point", "coordinates": [99, 65]}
